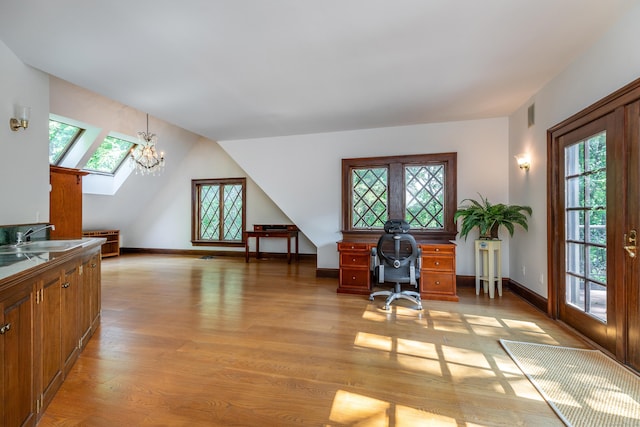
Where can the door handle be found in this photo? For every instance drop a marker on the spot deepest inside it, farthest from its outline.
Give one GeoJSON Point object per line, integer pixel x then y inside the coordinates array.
{"type": "Point", "coordinates": [631, 250]}
{"type": "Point", "coordinates": [631, 243]}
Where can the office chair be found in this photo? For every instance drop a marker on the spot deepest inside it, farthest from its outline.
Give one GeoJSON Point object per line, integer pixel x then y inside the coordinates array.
{"type": "Point", "coordinates": [396, 259]}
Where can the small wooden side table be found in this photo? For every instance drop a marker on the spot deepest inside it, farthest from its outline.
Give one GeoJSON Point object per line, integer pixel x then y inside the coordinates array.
{"type": "Point", "coordinates": [489, 266]}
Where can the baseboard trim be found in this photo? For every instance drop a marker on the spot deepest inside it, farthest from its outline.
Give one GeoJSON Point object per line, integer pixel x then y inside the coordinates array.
{"type": "Point", "coordinates": [539, 302]}
{"type": "Point", "coordinates": [198, 252]}
{"type": "Point", "coordinates": [526, 294]}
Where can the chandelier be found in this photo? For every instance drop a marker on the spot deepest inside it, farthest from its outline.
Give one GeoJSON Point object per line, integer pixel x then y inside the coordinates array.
{"type": "Point", "coordinates": [144, 157]}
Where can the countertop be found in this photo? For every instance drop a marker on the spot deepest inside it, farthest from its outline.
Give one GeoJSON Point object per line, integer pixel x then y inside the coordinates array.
{"type": "Point", "coordinates": [18, 262]}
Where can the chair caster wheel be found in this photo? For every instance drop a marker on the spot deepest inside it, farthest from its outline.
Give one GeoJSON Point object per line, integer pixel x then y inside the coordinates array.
{"type": "Point", "coordinates": [371, 298]}
{"type": "Point", "coordinates": [386, 307]}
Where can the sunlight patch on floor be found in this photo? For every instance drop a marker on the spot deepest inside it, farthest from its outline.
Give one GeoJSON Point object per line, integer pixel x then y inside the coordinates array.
{"type": "Point", "coordinates": [362, 411]}
{"type": "Point", "coordinates": [482, 320]}
{"type": "Point", "coordinates": [450, 326]}
{"type": "Point", "coordinates": [374, 341]}
{"type": "Point", "coordinates": [443, 315]}
{"type": "Point", "coordinates": [465, 357]}
{"type": "Point", "coordinates": [522, 325]}
{"type": "Point", "coordinates": [420, 364]}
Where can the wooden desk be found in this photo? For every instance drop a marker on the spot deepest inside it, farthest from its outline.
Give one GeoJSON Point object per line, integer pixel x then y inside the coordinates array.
{"type": "Point", "coordinates": [437, 273]}
{"type": "Point", "coordinates": [270, 230]}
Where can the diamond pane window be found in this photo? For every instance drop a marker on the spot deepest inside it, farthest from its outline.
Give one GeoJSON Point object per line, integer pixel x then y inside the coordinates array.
{"type": "Point", "coordinates": [369, 197]}
{"type": "Point", "coordinates": [420, 189]}
{"type": "Point", "coordinates": [109, 156]}
{"type": "Point", "coordinates": [424, 196]}
{"type": "Point", "coordinates": [61, 138]}
{"type": "Point", "coordinates": [218, 211]}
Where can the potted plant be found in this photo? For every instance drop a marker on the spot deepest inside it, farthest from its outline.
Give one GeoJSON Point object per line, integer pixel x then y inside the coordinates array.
{"type": "Point", "coordinates": [488, 217]}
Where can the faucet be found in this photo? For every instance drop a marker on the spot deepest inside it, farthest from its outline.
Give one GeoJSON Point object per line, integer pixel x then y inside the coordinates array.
{"type": "Point", "coordinates": [26, 236]}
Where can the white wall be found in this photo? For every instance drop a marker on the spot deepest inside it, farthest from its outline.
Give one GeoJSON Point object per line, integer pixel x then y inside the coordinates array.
{"type": "Point", "coordinates": [155, 211]}
{"type": "Point", "coordinates": [24, 155]}
{"type": "Point", "coordinates": [303, 173]}
{"type": "Point", "coordinates": [610, 64]}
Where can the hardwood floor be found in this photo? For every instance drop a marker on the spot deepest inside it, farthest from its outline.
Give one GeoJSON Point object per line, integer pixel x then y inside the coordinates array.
{"type": "Point", "coordinates": [192, 342]}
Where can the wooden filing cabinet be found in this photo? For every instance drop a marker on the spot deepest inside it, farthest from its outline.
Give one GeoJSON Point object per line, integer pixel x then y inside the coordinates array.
{"type": "Point", "coordinates": [437, 273]}
{"type": "Point", "coordinates": [355, 276]}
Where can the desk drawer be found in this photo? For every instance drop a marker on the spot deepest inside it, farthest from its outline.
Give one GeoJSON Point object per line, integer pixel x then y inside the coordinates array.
{"type": "Point", "coordinates": [437, 283]}
{"type": "Point", "coordinates": [355, 259]}
{"type": "Point", "coordinates": [354, 278]}
{"type": "Point", "coordinates": [434, 249]}
{"type": "Point", "coordinates": [352, 246]}
{"type": "Point", "coordinates": [438, 263]}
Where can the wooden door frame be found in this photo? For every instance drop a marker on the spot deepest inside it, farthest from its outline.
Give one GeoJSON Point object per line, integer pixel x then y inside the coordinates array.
{"type": "Point", "coordinates": [614, 103]}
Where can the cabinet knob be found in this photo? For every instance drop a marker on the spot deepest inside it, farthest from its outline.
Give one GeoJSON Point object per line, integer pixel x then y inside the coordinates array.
{"type": "Point", "coordinates": [94, 265]}
{"type": "Point", "coordinates": [437, 262]}
{"type": "Point", "coordinates": [4, 329]}
{"type": "Point", "coordinates": [437, 249]}
{"type": "Point", "coordinates": [353, 277]}
{"type": "Point", "coordinates": [66, 284]}
{"type": "Point", "coordinates": [437, 282]}
{"type": "Point", "coordinates": [354, 260]}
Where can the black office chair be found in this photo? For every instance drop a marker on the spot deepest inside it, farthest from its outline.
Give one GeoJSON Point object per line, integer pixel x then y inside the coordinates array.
{"type": "Point", "coordinates": [396, 260]}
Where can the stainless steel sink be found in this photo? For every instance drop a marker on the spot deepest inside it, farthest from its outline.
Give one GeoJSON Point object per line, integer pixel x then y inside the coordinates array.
{"type": "Point", "coordinates": [42, 246]}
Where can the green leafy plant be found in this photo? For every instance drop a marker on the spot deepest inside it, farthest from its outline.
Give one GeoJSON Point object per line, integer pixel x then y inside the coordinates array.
{"type": "Point", "coordinates": [489, 217]}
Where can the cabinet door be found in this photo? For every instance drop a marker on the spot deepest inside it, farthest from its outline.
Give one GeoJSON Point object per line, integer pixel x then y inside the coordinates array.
{"type": "Point", "coordinates": [96, 291]}
{"type": "Point", "coordinates": [50, 327]}
{"type": "Point", "coordinates": [70, 318]}
{"type": "Point", "coordinates": [90, 297]}
{"type": "Point", "coordinates": [16, 358]}
{"type": "Point", "coordinates": [65, 202]}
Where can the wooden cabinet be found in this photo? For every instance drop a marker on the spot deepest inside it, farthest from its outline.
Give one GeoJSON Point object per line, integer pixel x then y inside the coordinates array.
{"type": "Point", "coordinates": [437, 273]}
{"type": "Point", "coordinates": [17, 382]}
{"type": "Point", "coordinates": [70, 308]}
{"type": "Point", "coordinates": [65, 202]}
{"type": "Point", "coordinates": [355, 275]}
{"type": "Point", "coordinates": [90, 296]}
{"type": "Point", "coordinates": [41, 331]}
{"type": "Point", "coordinates": [112, 246]}
{"type": "Point", "coordinates": [49, 335]}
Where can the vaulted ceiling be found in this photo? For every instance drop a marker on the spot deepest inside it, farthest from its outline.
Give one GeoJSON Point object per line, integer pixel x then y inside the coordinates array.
{"type": "Point", "coordinates": [233, 69]}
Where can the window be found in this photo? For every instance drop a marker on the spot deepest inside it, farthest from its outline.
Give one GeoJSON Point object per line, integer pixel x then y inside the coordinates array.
{"type": "Point", "coordinates": [421, 189]}
{"type": "Point", "coordinates": [109, 156]}
{"type": "Point", "coordinates": [61, 137]}
{"type": "Point", "coordinates": [218, 211]}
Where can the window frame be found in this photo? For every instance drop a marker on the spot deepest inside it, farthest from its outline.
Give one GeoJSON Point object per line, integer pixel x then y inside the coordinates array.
{"type": "Point", "coordinates": [195, 211]}
{"type": "Point", "coordinates": [396, 190]}
{"type": "Point", "coordinates": [123, 160]}
{"type": "Point", "coordinates": [69, 144]}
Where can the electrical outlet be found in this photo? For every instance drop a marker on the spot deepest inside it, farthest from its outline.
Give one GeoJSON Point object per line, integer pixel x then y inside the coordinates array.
{"type": "Point", "coordinates": [524, 271]}
{"type": "Point", "coordinates": [542, 278]}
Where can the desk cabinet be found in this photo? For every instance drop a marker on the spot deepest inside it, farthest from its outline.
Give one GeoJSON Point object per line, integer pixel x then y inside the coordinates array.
{"type": "Point", "coordinates": [437, 275]}
{"type": "Point", "coordinates": [355, 276]}
{"type": "Point", "coordinates": [438, 272]}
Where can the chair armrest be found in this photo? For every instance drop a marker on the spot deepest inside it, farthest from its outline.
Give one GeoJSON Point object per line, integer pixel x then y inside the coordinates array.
{"type": "Point", "coordinates": [373, 260]}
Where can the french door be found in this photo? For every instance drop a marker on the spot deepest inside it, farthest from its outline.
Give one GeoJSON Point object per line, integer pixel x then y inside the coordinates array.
{"type": "Point", "coordinates": [594, 221]}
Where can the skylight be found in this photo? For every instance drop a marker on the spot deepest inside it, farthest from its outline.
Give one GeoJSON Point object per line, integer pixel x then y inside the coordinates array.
{"type": "Point", "coordinates": [109, 156]}
{"type": "Point", "coordinates": [61, 138]}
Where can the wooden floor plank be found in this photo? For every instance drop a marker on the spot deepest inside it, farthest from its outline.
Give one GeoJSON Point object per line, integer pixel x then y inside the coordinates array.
{"type": "Point", "coordinates": [220, 342]}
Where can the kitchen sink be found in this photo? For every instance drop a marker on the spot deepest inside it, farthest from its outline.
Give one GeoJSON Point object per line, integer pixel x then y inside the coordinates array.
{"type": "Point", "coordinates": [42, 246]}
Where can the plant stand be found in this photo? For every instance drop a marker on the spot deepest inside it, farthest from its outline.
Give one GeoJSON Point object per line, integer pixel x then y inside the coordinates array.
{"type": "Point", "coordinates": [489, 266]}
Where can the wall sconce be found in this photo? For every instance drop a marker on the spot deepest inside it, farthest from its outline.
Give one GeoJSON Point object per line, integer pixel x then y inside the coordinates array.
{"type": "Point", "coordinates": [524, 161]}
{"type": "Point", "coordinates": [22, 121]}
